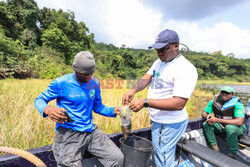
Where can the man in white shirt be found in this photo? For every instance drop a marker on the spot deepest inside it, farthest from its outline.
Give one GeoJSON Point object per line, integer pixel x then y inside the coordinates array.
{"type": "Point", "coordinates": [173, 79]}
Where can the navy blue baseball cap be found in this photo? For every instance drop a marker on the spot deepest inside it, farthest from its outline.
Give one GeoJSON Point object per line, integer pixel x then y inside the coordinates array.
{"type": "Point", "coordinates": [165, 37]}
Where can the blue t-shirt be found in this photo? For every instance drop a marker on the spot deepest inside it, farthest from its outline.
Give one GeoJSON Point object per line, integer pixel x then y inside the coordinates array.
{"type": "Point", "coordinates": [78, 99]}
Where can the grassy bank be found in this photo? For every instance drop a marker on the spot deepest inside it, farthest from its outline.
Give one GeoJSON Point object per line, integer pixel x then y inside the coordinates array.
{"type": "Point", "coordinates": [223, 82]}
{"type": "Point", "coordinates": [22, 126]}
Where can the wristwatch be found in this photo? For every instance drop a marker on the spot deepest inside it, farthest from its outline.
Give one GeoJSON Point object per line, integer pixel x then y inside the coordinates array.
{"type": "Point", "coordinates": [145, 104]}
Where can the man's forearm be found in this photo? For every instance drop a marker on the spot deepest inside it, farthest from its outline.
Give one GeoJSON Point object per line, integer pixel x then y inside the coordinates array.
{"type": "Point", "coordinates": [238, 122]}
{"type": "Point", "coordinates": [204, 115]}
{"type": "Point", "coordinates": [40, 105]}
{"type": "Point", "coordinates": [175, 103]}
{"type": "Point", "coordinates": [142, 83]}
{"type": "Point", "coordinates": [104, 110]}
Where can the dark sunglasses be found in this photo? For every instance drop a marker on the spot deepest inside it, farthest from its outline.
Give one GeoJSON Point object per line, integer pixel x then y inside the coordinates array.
{"type": "Point", "coordinates": [163, 50]}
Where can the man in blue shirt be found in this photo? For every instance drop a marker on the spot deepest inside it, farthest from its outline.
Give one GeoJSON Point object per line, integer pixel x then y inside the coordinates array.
{"type": "Point", "coordinates": [77, 94]}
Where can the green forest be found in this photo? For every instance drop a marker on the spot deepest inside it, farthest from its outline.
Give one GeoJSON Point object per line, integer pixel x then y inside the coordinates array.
{"type": "Point", "coordinates": [41, 43]}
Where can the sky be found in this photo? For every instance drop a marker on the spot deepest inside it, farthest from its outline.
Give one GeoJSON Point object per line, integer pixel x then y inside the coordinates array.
{"type": "Point", "coordinates": [206, 26]}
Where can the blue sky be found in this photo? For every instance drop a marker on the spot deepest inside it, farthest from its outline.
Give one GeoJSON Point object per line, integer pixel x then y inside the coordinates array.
{"type": "Point", "coordinates": [207, 26]}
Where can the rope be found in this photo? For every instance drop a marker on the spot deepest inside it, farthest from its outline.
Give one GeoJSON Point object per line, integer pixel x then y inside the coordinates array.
{"type": "Point", "coordinates": [25, 154]}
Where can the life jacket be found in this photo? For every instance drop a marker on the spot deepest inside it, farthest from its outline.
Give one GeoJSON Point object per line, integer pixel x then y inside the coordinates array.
{"type": "Point", "coordinates": [226, 110]}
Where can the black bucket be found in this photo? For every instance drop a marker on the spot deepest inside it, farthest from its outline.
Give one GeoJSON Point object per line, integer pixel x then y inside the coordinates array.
{"type": "Point", "coordinates": [136, 151]}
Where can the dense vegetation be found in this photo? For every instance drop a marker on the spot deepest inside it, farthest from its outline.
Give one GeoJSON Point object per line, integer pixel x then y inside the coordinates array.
{"type": "Point", "coordinates": [41, 43]}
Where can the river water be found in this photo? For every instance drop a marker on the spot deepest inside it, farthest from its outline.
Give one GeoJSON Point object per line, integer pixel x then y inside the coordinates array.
{"type": "Point", "coordinates": [241, 91]}
{"type": "Point", "coordinates": [245, 89]}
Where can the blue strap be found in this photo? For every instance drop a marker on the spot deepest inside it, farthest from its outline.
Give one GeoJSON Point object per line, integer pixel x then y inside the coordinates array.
{"type": "Point", "coordinates": [248, 105]}
{"type": "Point", "coordinates": [230, 103]}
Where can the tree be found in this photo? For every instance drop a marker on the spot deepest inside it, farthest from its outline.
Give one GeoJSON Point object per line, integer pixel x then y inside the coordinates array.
{"type": "Point", "coordinates": [54, 38]}
{"type": "Point", "coordinates": [61, 32]}
{"type": "Point", "coordinates": [13, 58]}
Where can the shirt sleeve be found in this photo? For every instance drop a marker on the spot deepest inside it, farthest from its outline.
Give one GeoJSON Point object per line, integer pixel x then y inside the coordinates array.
{"type": "Point", "coordinates": [239, 110]}
{"type": "Point", "coordinates": [99, 107]}
{"type": "Point", "coordinates": [185, 82]}
{"type": "Point", "coordinates": [152, 68]}
{"type": "Point", "coordinates": [51, 93]}
{"type": "Point", "coordinates": [209, 107]}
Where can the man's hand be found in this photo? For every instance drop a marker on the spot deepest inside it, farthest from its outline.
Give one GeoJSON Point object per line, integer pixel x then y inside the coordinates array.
{"type": "Point", "coordinates": [212, 120]}
{"type": "Point", "coordinates": [56, 114]}
{"type": "Point", "coordinates": [136, 105]}
{"type": "Point", "coordinates": [117, 110]}
{"type": "Point", "coordinates": [248, 113]}
{"type": "Point", "coordinates": [128, 97]}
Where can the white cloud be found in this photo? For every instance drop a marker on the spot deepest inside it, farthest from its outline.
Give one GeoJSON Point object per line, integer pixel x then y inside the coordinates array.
{"type": "Point", "coordinates": [130, 23]}
{"type": "Point", "coordinates": [50, 4]}
{"type": "Point", "coordinates": [113, 21]}
{"type": "Point", "coordinates": [226, 37]}
{"type": "Point", "coordinates": [136, 25]}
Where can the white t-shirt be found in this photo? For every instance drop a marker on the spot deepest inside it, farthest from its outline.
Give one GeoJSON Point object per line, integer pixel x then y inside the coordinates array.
{"type": "Point", "coordinates": [175, 78]}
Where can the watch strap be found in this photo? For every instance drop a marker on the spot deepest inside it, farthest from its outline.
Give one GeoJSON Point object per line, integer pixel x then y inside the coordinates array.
{"type": "Point", "coordinates": [145, 104]}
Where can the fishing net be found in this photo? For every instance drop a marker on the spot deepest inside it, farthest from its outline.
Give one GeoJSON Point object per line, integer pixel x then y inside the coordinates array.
{"type": "Point", "coordinates": [125, 113]}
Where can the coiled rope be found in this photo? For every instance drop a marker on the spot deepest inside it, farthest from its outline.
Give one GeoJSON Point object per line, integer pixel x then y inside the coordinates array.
{"type": "Point", "coordinates": [25, 154]}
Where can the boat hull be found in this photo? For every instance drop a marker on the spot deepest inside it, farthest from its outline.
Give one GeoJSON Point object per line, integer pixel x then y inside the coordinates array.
{"type": "Point", "coordinates": [190, 147]}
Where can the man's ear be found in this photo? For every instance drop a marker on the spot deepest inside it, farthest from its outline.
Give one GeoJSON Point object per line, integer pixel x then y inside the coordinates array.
{"type": "Point", "coordinates": [176, 45]}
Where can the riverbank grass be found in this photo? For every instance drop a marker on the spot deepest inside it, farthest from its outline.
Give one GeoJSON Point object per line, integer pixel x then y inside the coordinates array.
{"type": "Point", "coordinates": [22, 126]}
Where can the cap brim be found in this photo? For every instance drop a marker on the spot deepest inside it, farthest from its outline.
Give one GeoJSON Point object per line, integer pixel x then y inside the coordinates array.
{"type": "Point", "coordinates": [157, 45]}
{"type": "Point", "coordinates": [225, 90]}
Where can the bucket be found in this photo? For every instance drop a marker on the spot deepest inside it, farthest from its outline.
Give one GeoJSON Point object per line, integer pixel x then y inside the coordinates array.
{"type": "Point", "coordinates": [136, 151]}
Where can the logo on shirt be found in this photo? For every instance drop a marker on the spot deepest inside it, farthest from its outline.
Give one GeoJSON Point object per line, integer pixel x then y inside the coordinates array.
{"type": "Point", "coordinates": [92, 94]}
{"type": "Point", "coordinates": [74, 95]}
{"type": "Point", "coordinates": [153, 73]}
{"type": "Point", "coordinates": [240, 112]}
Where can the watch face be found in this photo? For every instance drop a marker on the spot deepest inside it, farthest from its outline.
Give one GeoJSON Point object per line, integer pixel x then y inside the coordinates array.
{"type": "Point", "coordinates": [145, 104]}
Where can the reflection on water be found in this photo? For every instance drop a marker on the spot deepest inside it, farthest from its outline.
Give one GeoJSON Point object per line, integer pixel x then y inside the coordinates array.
{"type": "Point", "coordinates": [241, 91]}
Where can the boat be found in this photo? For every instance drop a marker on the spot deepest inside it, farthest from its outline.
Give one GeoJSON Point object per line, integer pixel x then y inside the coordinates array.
{"type": "Point", "coordinates": [194, 150]}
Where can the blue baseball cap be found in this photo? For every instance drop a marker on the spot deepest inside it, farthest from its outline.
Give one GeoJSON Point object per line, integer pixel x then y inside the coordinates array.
{"type": "Point", "coordinates": [165, 37]}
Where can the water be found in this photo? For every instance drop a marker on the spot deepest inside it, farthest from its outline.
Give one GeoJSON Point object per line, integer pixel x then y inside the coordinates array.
{"type": "Point", "coordinates": [241, 91]}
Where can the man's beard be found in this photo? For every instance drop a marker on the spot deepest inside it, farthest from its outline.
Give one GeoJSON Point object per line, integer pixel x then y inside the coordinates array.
{"type": "Point", "coordinates": [81, 79]}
